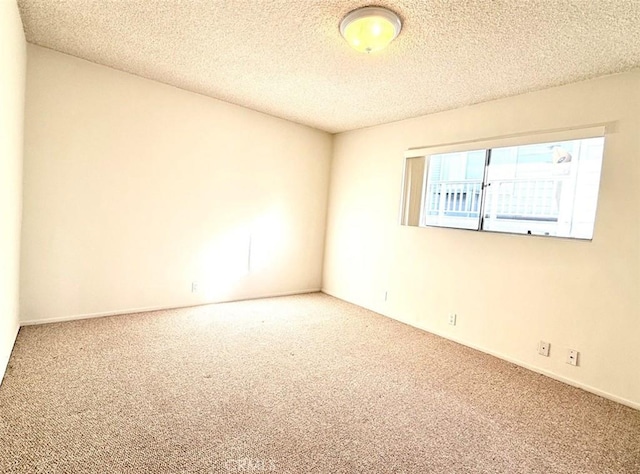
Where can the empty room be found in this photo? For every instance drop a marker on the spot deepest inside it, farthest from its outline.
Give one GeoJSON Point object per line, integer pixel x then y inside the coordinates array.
{"type": "Point", "coordinates": [320, 236]}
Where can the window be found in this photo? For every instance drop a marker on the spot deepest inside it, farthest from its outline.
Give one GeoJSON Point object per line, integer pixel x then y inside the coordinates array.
{"type": "Point", "coordinates": [548, 188]}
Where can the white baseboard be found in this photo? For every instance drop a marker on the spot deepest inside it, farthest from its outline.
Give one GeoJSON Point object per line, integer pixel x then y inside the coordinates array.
{"type": "Point", "coordinates": [548, 373]}
{"type": "Point", "coordinates": [4, 358]}
{"type": "Point", "coordinates": [74, 317]}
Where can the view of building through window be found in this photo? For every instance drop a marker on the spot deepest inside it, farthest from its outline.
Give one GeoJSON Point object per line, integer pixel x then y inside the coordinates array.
{"type": "Point", "coordinates": [542, 189]}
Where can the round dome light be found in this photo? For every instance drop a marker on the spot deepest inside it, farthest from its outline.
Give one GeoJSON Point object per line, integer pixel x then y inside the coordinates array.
{"type": "Point", "coordinates": [370, 29]}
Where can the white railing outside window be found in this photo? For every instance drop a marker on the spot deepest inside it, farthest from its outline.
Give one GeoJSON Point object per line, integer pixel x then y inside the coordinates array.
{"type": "Point", "coordinates": [453, 197]}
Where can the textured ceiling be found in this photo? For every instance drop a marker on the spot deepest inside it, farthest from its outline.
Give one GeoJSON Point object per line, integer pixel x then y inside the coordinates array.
{"type": "Point", "coordinates": [287, 58]}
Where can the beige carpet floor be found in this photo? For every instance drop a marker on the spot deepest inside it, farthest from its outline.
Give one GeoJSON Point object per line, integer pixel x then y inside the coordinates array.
{"type": "Point", "coordinates": [302, 384]}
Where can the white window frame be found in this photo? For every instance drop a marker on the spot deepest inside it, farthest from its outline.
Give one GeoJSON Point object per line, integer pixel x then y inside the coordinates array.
{"type": "Point", "coordinates": [522, 139]}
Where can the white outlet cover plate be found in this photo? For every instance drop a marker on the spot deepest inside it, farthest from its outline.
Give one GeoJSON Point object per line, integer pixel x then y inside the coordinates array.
{"type": "Point", "coordinates": [543, 348]}
{"type": "Point", "coordinates": [572, 357]}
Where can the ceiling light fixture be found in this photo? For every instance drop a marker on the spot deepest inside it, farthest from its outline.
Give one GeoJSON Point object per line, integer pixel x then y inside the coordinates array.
{"type": "Point", "coordinates": [370, 29]}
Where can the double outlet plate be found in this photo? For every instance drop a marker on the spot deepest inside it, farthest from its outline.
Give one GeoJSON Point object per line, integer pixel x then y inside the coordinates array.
{"type": "Point", "coordinates": [572, 355]}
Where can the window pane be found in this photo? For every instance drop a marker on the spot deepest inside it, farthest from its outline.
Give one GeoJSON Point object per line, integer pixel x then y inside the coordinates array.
{"type": "Point", "coordinates": [454, 190]}
{"type": "Point", "coordinates": [544, 189]}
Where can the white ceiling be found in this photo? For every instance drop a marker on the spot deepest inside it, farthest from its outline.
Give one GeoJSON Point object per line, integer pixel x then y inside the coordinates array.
{"type": "Point", "coordinates": [287, 58]}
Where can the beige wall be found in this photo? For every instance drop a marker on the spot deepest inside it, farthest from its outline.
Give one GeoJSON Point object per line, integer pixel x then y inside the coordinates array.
{"type": "Point", "coordinates": [134, 189]}
{"type": "Point", "coordinates": [13, 60]}
{"type": "Point", "coordinates": [509, 291]}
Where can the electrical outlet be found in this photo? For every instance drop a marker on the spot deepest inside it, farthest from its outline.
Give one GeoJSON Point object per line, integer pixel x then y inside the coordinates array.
{"type": "Point", "coordinates": [452, 319]}
{"type": "Point", "coordinates": [386, 295]}
{"type": "Point", "coordinates": [572, 357]}
{"type": "Point", "coordinates": [543, 348]}
{"type": "Point", "coordinates": [194, 287]}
